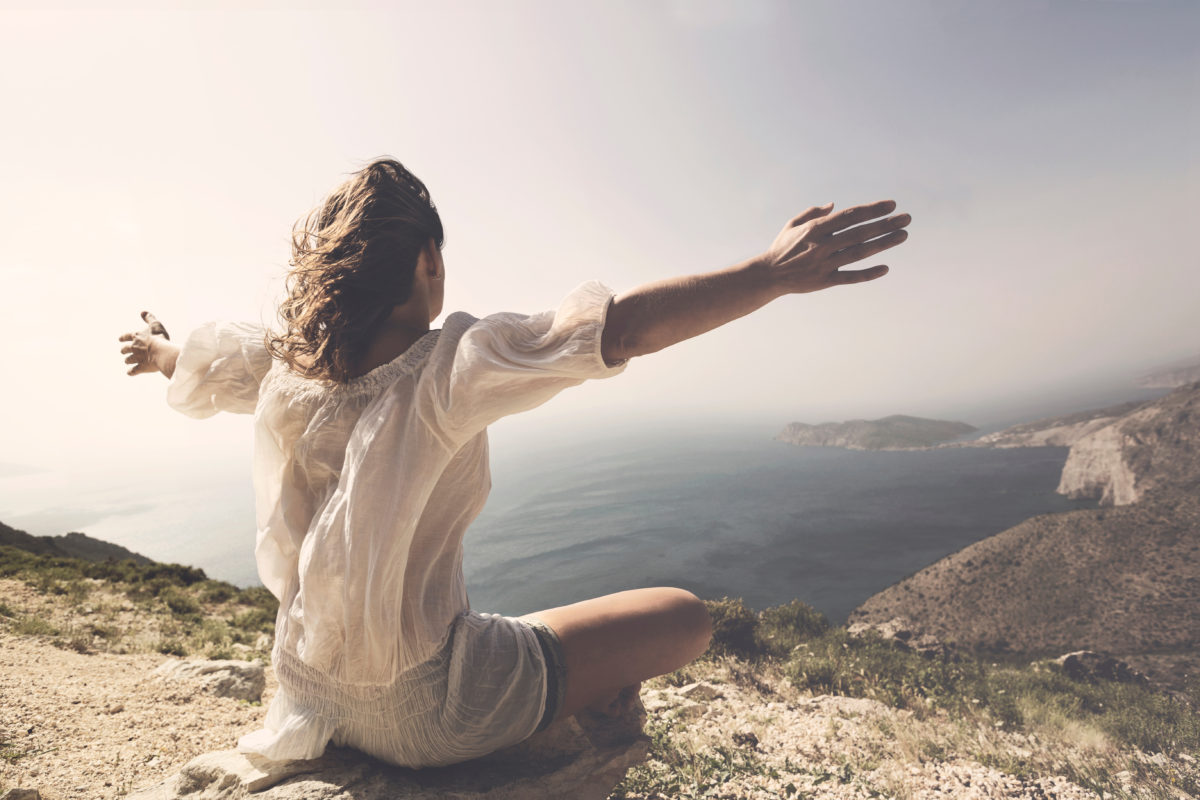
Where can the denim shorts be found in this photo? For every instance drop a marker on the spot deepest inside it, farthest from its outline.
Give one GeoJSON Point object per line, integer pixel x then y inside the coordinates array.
{"type": "Point", "coordinates": [556, 669]}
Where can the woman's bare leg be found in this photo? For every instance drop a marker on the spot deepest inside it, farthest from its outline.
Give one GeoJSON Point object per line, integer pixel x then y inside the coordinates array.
{"type": "Point", "coordinates": [615, 642]}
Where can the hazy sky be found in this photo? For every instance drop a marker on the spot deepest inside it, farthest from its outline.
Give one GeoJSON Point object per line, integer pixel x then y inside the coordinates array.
{"type": "Point", "coordinates": [1047, 151]}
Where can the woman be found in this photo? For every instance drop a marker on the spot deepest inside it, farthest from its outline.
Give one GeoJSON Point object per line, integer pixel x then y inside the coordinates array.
{"type": "Point", "coordinates": [371, 461]}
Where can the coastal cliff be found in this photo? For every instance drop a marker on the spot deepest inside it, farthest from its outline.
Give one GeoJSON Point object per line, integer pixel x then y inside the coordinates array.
{"type": "Point", "coordinates": [1156, 446]}
{"type": "Point", "coordinates": [1123, 580]}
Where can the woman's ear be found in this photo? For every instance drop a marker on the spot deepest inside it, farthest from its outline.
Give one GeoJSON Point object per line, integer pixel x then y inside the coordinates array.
{"type": "Point", "coordinates": [437, 268]}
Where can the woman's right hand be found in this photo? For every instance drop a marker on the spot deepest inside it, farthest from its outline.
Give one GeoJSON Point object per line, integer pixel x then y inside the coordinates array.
{"type": "Point", "coordinates": [808, 253]}
{"type": "Point", "coordinates": [150, 349]}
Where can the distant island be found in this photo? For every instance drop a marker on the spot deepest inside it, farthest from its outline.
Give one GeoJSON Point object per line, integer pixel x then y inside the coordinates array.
{"type": "Point", "coordinates": [897, 432]}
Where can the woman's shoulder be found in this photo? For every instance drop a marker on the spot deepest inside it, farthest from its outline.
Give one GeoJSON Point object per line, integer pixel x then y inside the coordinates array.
{"type": "Point", "coordinates": [283, 379]}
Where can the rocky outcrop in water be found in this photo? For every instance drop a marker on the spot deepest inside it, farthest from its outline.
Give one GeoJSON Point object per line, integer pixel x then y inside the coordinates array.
{"type": "Point", "coordinates": [897, 432]}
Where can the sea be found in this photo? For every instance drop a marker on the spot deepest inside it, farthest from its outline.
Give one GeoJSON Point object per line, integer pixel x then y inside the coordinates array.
{"type": "Point", "coordinates": [719, 512]}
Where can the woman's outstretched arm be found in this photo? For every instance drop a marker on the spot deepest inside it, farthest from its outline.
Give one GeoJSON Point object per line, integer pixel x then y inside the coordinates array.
{"type": "Point", "coordinates": [805, 257]}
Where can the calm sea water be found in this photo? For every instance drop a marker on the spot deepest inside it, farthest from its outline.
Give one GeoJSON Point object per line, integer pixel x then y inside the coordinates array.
{"type": "Point", "coordinates": [729, 513]}
{"type": "Point", "coordinates": [749, 517]}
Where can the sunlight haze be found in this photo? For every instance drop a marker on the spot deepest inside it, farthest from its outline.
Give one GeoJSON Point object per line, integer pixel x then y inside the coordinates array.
{"type": "Point", "coordinates": [156, 159]}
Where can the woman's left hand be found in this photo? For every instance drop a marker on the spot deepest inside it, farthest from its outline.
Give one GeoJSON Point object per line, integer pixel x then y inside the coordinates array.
{"type": "Point", "coordinates": [150, 349]}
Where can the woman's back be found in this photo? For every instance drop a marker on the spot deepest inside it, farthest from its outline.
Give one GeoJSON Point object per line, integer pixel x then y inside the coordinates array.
{"type": "Point", "coordinates": [364, 490]}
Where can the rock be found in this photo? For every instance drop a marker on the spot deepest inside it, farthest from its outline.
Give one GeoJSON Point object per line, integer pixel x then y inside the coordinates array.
{"type": "Point", "coordinates": [21, 794]}
{"type": "Point", "coordinates": [700, 691]}
{"type": "Point", "coordinates": [241, 680]}
{"type": "Point", "coordinates": [689, 712]}
{"type": "Point", "coordinates": [1085, 665]}
{"type": "Point", "coordinates": [579, 758]}
{"type": "Point", "coordinates": [1096, 468]}
{"type": "Point", "coordinates": [901, 633]}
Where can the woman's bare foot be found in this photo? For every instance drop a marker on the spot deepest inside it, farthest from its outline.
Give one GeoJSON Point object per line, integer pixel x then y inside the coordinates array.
{"type": "Point", "coordinates": [619, 704]}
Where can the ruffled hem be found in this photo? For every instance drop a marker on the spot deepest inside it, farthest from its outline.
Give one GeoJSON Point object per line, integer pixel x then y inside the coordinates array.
{"type": "Point", "coordinates": [289, 732]}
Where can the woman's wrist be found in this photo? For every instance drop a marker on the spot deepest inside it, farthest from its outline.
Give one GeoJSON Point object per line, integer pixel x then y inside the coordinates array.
{"type": "Point", "coordinates": [164, 355]}
{"type": "Point", "coordinates": [767, 282]}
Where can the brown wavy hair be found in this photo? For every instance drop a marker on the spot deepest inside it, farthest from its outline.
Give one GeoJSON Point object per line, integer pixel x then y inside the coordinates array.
{"type": "Point", "coordinates": [353, 259]}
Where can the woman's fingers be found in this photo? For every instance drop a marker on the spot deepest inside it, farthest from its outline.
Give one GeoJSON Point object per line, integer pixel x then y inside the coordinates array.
{"type": "Point", "coordinates": [858, 252]}
{"type": "Point", "coordinates": [871, 230]}
{"type": "Point", "coordinates": [860, 275]}
{"type": "Point", "coordinates": [853, 216]}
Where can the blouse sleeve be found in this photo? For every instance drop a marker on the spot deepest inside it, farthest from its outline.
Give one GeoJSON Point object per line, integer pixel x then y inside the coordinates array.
{"type": "Point", "coordinates": [507, 363]}
{"type": "Point", "coordinates": [220, 368]}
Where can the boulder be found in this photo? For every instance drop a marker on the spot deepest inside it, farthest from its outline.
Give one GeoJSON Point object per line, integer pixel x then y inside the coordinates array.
{"type": "Point", "coordinates": [1085, 665]}
{"type": "Point", "coordinates": [21, 794]}
{"type": "Point", "coordinates": [903, 635]}
{"type": "Point", "coordinates": [581, 758]}
{"type": "Point", "coordinates": [241, 680]}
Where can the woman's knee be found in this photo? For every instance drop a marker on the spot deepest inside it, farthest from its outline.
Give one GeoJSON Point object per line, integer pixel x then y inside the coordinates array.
{"type": "Point", "coordinates": [692, 620]}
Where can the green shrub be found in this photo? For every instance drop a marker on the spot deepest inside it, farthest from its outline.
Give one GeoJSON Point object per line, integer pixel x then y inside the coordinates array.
{"type": "Point", "coordinates": [782, 628]}
{"type": "Point", "coordinates": [107, 632]}
{"type": "Point", "coordinates": [46, 583]}
{"type": "Point", "coordinates": [213, 631]}
{"type": "Point", "coordinates": [258, 596]}
{"type": "Point", "coordinates": [173, 574]}
{"type": "Point", "coordinates": [1012, 695]}
{"type": "Point", "coordinates": [868, 666]}
{"type": "Point", "coordinates": [170, 647]}
{"type": "Point", "coordinates": [217, 591]}
{"type": "Point", "coordinates": [181, 604]}
{"type": "Point", "coordinates": [79, 642]}
{"type": "Point", "coordinates": [114, 571]}
{"type": "Point", "coordinates": [6, 610]}
{"type": "Point", "coordinates": [35, 626]}
{"type": "Point", "coordinates": [733, 627]}
{"type": "Point", "coordinates": [256, 620]}
{"type": "Point", "coordinates": [78, 590]}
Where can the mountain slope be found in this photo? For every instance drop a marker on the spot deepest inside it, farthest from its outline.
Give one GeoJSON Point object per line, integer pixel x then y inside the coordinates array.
{"type": "Point", "coordinates": [1124, 579]}
{"type": "Point", "coordinates": [72, 545]}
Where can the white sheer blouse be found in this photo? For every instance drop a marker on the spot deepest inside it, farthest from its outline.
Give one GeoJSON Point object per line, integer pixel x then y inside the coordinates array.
{"type": "Point", "coordinates": [365, 489]}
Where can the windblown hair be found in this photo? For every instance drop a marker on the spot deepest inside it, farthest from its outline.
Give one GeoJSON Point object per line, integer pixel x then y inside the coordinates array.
{"type": "Point", "coordinates": [353, 259]}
